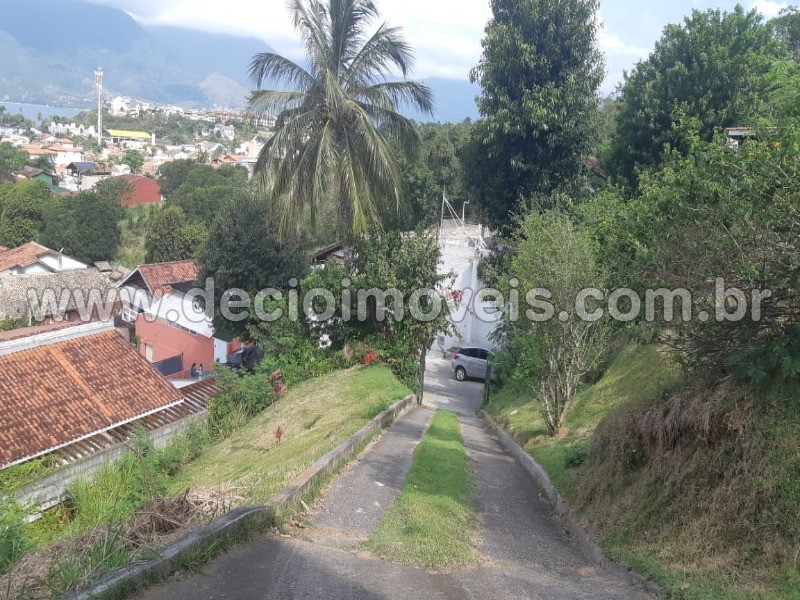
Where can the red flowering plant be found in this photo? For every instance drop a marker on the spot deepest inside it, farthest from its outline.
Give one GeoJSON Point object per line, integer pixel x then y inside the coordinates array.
{"type": "Point", "coordinates": [370, 358]}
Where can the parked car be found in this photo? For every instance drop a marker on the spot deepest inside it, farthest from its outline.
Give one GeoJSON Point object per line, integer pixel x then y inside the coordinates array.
{"type": "Point", "coordinates": [245, 358]}
{"type": "Point", "coordinates": [471, 361]}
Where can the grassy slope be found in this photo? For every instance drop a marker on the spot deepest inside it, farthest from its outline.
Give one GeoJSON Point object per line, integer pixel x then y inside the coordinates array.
{"type": "Point", "coordinates": [433, 522]}
{"type": "Point", "coordinates": [705, 518]}
{"type": "Point", "coordinates": [635, 375]}
{"type": "Point", "coordinates": [315, 416]}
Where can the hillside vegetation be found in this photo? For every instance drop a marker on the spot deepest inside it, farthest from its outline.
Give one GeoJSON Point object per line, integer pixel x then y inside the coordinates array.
{"type": "Point", "coordinates": [314, 418]}
{"type": "Point", "coordinates": [695, 486]}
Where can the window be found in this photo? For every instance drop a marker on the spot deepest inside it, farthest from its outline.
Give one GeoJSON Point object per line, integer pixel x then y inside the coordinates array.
{"type": "Point", "coordinates": [148, 352]}
{"type": "Point", "coordinates": [129, 314]}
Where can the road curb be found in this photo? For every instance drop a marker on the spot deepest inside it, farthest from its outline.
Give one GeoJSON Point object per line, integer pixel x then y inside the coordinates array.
{"type": "Point", "coordinates": [563, 513]}
{"type": "Point", "coordinates": [225, 527]}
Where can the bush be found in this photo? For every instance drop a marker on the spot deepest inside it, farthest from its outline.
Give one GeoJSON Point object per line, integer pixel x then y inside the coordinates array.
{"type": "Point", "coordinates": [12, 534]}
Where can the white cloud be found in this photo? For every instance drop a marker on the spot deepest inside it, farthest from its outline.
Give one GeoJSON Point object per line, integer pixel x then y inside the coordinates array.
{"type": "Point", "coordinates": [619, 55]}
{"type": "Point", "coordinates": [768, 8]}
{"type": "Point", "coordinates": [446, 34]}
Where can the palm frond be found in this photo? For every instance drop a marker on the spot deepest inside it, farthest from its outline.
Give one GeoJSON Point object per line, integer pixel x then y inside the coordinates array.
{"type": "Point", "coordinates": [385, 50]}
{"type": "Point", "coordinates": [400, 93]}
{"type": "Point", "coordinates": [268, 66]}
{"type": "Point", "coordinates": [273, 102]}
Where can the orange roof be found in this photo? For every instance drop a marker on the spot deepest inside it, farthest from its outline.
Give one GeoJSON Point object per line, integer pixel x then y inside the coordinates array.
{"type": "Point", "coordinates": [22, 256]}
{"type": "Point", "coordinates": [161, 276]}
{"type": "Point", "coordinates": [37, 150]}
{"type": "Point", "coordinates": [62, 392]}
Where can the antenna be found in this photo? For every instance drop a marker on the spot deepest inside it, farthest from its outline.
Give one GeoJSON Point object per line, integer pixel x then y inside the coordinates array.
{"type": "Point", "coordinates": [98, 77]}
{"type": "Point", "coordinates": [452, 211]}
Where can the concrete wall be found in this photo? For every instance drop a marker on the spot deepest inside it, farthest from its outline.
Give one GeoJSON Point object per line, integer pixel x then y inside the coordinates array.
{"type": "Point", "coordinates": [472, 319]}
{"type": "Point", "coordinates": [51, 490]}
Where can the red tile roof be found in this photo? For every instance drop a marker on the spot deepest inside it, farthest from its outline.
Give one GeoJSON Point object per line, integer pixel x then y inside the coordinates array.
{"type": "Point", "coordinates": [62, 392]}
{"type": "Point", "coordinates": [22, 256]}
{"type": "Point", "coordinates": [161, 276]}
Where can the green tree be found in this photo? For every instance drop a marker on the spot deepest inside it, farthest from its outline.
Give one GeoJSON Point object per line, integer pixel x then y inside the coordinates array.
{"type": "Point", "coordinates": [329, 144]}
{"type": "Point", "coordinates": [44, 162]}
{"type": "Point", "coordinates": [85, 226]}
{"type": "Point", "coordinates": [787, 28]}
{"type": "Point", "coordinates": [243, 251]}
{"type": "Point", "coordinates": [716, 216]}
{"type": "Point", "coordinates": [11, 160]}
{"type": "Point", "coordinates": [204, 203]}
{"type": "Point", "coordinates": [21, 209]}
{"type": "Point", "coordinates": [555, 254]}
{"type": "Point", "coordinates": [171, 236]}
{"type": "Point", "coordinates": [709, 69]}
{"type": "Point", "coordinates": [115, 189]}
{"type": "Point", "coordinates": [134, 159]}
{"type": "Point", "coordinates": [539, 75]}
{"type": "Point", "coordinates": [172, 174]}
{"type": "Point", "coordinates": [435, 169]}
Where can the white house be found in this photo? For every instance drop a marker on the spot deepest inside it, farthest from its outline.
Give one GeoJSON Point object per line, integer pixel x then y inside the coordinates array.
{"type": "Point", "coordinates": [35, 258]}
{"type": "Point", "coordinates": [462, 248]}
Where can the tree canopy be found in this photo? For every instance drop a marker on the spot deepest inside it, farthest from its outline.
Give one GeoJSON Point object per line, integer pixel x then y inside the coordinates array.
{"type": "Point", "coordinates": [171, 236]}
{"type": "Point", "coordinates": [11, 160]}
{"type": "Point", "coordinates": [85, 226]}
{"type": "Point", "coordinates": [539, 74]}
{"type": "Point", "coordinates": [339, 134]}
{"type": "Point", "coordinates": [243, 251]}
{"type": "Point", "coordinates": [709, 70]}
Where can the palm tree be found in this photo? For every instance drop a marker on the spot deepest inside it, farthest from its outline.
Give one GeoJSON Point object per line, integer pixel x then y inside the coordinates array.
{"type": "Point", "coordinates": [337, 116]}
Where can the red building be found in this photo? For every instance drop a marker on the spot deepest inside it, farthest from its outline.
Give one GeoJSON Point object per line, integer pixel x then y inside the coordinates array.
{"type": "Point", "coordinates": [173, 331]}
{"type": "Point", "coordinates": [146, 191]}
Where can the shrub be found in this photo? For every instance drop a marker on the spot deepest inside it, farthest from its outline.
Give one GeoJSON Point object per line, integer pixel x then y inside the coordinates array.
{"type": "Point", "coordinates": [12, 534]}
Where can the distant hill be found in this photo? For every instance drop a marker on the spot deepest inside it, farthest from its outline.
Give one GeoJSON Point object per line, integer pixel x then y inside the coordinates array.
{"type": "Point", "coordinates": [50, 49]}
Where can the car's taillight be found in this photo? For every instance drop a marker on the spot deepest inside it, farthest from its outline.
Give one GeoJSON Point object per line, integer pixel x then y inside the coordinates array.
{"type": "Point", "coordinates": [455, 356]}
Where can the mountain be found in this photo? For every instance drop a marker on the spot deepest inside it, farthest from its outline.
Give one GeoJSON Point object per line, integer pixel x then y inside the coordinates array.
{"type": "Point", "coordinates": [51, 48]}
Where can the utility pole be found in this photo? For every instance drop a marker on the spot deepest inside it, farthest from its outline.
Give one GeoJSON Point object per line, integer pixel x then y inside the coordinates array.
{"type": "Point", "coordinates": [98, 77]}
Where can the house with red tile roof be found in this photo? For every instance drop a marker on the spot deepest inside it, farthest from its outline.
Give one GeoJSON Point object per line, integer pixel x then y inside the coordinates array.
{"type": "Point", "coordinates": [35, 258]}
{"type": "Point", "coordinates": [71, 384]}
{"type": "Point", "coordinates": [173, 328]}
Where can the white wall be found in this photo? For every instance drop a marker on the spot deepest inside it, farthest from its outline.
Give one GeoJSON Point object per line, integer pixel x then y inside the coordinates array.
{"type": "Point", "coordinates": [463, 258]}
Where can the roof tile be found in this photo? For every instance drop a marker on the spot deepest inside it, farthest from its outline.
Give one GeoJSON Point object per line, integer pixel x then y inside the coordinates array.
{"type": "Point", "coordinates": [61, 392]}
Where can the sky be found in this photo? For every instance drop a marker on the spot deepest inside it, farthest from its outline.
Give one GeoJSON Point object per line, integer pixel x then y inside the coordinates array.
{"type": "Point", "coordinates": [446, 34]}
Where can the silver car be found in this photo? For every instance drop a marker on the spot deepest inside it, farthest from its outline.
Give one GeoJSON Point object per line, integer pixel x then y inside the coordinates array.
{"type": "Point", "coordinates": [471, 361]}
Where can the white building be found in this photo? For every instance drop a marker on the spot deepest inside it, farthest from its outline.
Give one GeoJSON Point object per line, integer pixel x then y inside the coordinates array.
{"type": "Point", "coordinates": [33, 258]}
{"type": "Point", "coordinates": [462, 248]}
{"type": "Point", "coordinates": [120, 106]}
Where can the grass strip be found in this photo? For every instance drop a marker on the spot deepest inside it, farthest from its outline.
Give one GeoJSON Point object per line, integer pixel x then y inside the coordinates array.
{"type": "Point", "coordinates": [433, 523]}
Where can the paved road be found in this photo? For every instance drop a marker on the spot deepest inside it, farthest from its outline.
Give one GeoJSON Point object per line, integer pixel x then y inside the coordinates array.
{"type": "Point", "coordinates": [442, 391]}
{"type": "Point", "coordinates": [351, 508]}
{"type": "Point", "coordinates": [527, 555]}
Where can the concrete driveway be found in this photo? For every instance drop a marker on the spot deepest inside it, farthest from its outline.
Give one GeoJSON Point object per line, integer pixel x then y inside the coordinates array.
{"type": "Point", "coordinates": [442, 391]}
{"type": "Point", "coordinates": [526, 554]}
